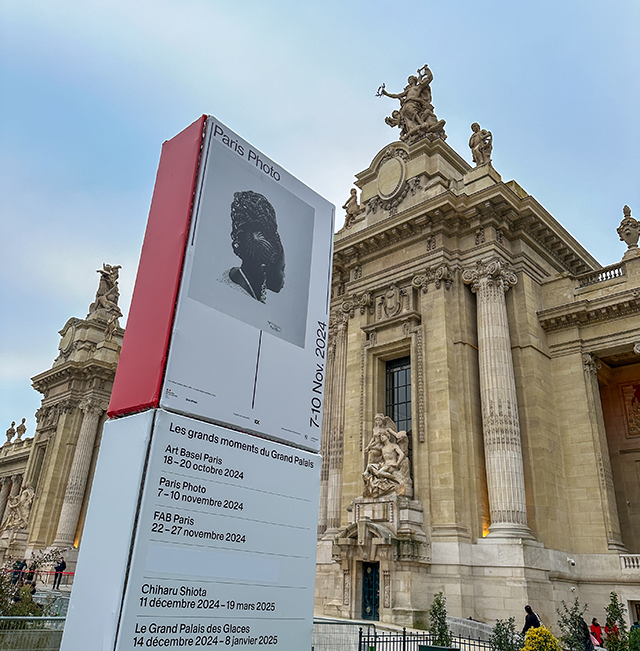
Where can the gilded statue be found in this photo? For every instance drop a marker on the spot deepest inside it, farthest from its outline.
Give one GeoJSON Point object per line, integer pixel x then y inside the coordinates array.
{"type": "Point", "coordinates": [481, 143]}
{"type": "Point", "coordinates": [387, 461]}
{"type": "Point", "coordinates": [416, 117]}
{"type": "Point", "coordinates": [353, 208]}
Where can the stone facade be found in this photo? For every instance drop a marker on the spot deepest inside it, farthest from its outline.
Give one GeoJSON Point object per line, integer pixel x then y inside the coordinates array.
{"type": "Point", "coordinates": [525, 400]}
{"type": "Point", "coordinates": [57, 464]}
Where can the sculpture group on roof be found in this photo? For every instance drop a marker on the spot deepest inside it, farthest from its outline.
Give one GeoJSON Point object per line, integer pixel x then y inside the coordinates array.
{"type": "Point", "coordinates": [416, 117]}
{"type": "Point", "coordinates": [18, 432]}
{"type": "Point", "coordinates": [106, 303]}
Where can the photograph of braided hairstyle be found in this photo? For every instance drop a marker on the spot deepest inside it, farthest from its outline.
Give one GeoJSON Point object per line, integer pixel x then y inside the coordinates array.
{"type": "Point", "coordinates": [255, 240]}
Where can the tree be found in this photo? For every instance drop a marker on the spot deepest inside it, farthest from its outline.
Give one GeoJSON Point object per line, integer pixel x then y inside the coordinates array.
{"type": "Point", "coordinates": [541, 639]}
{"type": "Point", "coordinates": [572, 625]}
{"type": "Point", "coordinates": [439, 629]}
{"type": "Point", "coordinates": [615, 618]}
{"type": "Point", "coordinates": [504, 636]}
{"type": "Point", "coordinates": [634, 639]}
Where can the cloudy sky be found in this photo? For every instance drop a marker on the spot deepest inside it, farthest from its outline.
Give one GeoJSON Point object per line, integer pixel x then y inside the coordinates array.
{"type": "Point", "coordinates": [90, 89]}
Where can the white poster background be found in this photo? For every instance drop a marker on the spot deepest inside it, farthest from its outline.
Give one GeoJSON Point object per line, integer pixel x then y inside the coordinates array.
{"type": "Point", "coordinates": [250, 583]}
{"type": "Point", "coordinates": [233, 359]}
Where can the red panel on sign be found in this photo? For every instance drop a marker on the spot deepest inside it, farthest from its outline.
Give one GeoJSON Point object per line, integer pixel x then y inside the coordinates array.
{"type": "Point", "coordinates": [144, 350]}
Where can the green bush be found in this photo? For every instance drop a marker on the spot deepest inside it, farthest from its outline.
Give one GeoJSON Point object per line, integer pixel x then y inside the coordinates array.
{"type": "Point", "coordinates": [504, 636]}
{"type": "Point", "coordinates": [615, 615]}
{"type": "Point", "coordinates": [571, 623]}
{"type": "Point", "coordinates": [439, 629]}
{"type": "Point", "coordinates": [634, 639]}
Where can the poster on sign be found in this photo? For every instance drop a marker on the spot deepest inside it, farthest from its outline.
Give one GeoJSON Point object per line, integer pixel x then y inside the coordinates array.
{"type": "Point", "coordinates": [248, 346]}
{"type": "Point", "coordinates": [224, 547]}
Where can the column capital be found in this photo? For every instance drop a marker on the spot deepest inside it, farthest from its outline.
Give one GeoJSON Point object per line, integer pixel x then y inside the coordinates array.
{"type": "Point", "coordinates": [492, 272]}
{"type": "Point", "coordinates": [93, 405]}
{"type": "Point", "coordinates": [591, 363]}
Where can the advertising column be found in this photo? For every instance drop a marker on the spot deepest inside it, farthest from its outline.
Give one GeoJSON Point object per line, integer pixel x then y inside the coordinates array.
{"type": "Point", "coordinates": [227, 356]}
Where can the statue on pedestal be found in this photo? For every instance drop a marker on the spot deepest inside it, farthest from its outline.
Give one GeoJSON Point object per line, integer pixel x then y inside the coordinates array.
{"type": "Point", "coordinates": [21, 429]}
{"type": "Point", "coordinates": [416, 117]}
{"type": "Point", "coordinates": [387, 467]}
{"type": "Point", "coordinates": [11, 432]}
{"type": "Point", "coordinates": [481, 143]}
{"type": "Point", "coordinates": [629, 229]}
{"type": "Point", "coordinates": [106, 303]}
{"type": "Point", "coordinates": [353, 208]}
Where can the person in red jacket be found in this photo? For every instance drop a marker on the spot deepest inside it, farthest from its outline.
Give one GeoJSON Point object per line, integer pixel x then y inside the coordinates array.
{"type": "Point", "coordinates": [596, 631]}
{"type": "Point", "coordinates": [611, 630]}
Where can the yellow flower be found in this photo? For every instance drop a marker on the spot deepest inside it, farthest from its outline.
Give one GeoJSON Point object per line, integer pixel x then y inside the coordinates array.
{"type": "Point", "coordinates": [541, 639]}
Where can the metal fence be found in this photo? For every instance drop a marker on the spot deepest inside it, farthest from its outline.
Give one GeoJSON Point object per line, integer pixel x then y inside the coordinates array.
{"type": "Point", "coordinates": [336, 635]}
{"type": "Point", "coordinates": [31, 633]}
{"type": "Point", "coordinates": [412, 641]}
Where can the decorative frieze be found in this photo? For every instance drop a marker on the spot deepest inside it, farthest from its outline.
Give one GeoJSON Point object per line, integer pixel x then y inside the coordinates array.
{"type": "Point", "coordinates": [346, 587]}
{"type": "Point", "coordinates": [386, 589]}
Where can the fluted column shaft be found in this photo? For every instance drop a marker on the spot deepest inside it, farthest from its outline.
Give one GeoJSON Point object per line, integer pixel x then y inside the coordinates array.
{"type": "Point", "coordinates": [336, 428]}
{"type": "Point", "coordinates": [326, 429]}
{"type": "Point", "coordinates": [76, 485]}
{"type": "Point", "coordinates": [500, 423]}
{"type": "Point", "coordinates": [4, 496]}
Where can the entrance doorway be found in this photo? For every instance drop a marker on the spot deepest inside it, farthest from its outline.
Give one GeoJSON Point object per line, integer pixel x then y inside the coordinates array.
{"type": "Point", "coordinates": [370, 591]}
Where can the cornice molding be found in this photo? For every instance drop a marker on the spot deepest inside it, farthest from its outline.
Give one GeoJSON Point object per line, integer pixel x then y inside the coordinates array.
{"type": "Point", "coordinates": [497, 205]}
{"type": "Point", "coordinates": [587, 312]}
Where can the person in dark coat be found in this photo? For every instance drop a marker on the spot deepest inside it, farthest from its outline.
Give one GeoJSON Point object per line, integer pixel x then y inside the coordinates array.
{"type": "Point", "coordinates": [59, 569]}
{"type": "Point", "coordinates": [531, 620]}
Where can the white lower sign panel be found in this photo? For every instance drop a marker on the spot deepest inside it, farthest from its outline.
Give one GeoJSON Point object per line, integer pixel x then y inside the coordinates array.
{"type": "Point", "coordinates": [224, 552]}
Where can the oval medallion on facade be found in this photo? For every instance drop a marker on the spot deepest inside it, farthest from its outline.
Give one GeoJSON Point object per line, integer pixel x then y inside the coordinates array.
{"type": "Point", "coordinates": [390, 178]}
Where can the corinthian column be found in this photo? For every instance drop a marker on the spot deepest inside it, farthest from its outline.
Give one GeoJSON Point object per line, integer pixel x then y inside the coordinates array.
{"type": "Point", "coordinates": [500, 424]}
{"type": "Point", "coordinates": [4, 496]}
{"type": "Point", "coordinates": [72, 504]}
{"type": "Point", "coordinates": [336, 427]}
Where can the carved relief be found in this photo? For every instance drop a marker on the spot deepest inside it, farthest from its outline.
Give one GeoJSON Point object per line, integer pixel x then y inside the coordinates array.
{"type": "Point", "coordinates": [421, 281]}
{"type": "Point", "coordinates": [420, 378]}
{"type": "Point", "coordinates": [18, 510]}
{"type": "Point", "coordinates": [444, 275]}
{"type": "Point", "coordinates": [360, 302]}
{"type": "Point", "coordinates": [391, 301]}
{"type": "Point", "coordinates": [631, 400]}
{"type": "Point", "coordinates": [591, 363]}
{"type": "Point", "coordinates": [357, 272]}
{"type": "Point", "coordinates": [479, 236]}
{"type": "Point", "coordinates": [492, 275]}
{"type": "Point", "coordinates": [346, 587]}
{"type": "Point", "coordinates": [431, 243]}
{"type": "Point", "coordinates": [386, 589]}
{"type": "Point", "coordinates": [387, 463]}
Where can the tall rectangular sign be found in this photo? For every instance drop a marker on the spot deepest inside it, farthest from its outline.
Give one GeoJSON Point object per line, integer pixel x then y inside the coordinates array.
{"type": "Point", "coordinates": [217, 407]}
{"type": "Point", "coordinates": [248, 347]}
